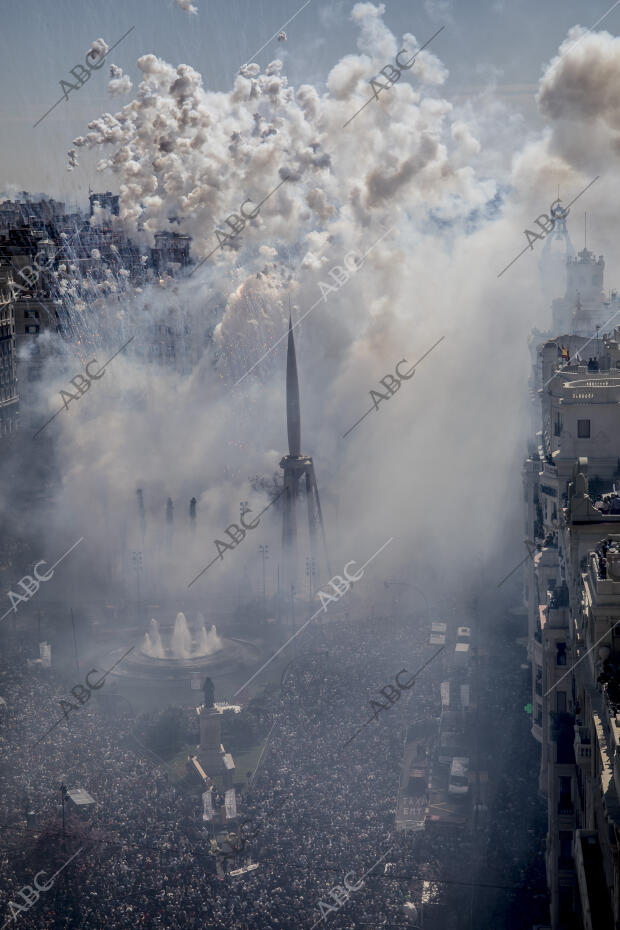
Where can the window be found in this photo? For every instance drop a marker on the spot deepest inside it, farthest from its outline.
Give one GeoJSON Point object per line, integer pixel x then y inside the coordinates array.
{"type": "Point", "coordinates": [565, 803]}
{"type": "Point", "coordinates": [561, 702]}
{"type": "Point", "coordinates": [566, 905]}
{"type": "Point", "coordinates": [583, 429]}
{"type": "Point", "coordinates": [560, 658]}
{"type": "Point", "coordinates": [539, 688]}
{"type": "Point", "coordinates": [566, 849]}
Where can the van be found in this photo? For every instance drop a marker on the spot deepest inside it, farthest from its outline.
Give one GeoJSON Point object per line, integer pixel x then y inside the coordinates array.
{"type": "Point", "coordinates": [450, 736]}
{"type": "Point", "coordinates": [459, 776]}
{"type": "Point", "coordinates": [450, 746]}
{"type": "Point", "coordinates": [461, 654]}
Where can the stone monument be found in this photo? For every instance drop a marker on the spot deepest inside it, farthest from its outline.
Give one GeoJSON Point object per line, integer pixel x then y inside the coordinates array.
{"type": "Point", "coordinates": [211, 754]}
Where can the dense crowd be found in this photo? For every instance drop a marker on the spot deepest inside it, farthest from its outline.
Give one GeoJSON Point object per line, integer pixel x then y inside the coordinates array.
{"type": "Point", "coordinates": [318, 809]}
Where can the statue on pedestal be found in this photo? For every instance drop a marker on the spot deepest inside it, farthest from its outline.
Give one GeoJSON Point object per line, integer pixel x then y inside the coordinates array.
{"type": "Point", "coordinates": [211, 753]}
{"type": "Point", "coordinates": [208, 690]}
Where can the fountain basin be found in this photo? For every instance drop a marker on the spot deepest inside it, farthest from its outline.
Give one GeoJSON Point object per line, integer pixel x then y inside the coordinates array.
{"type": "Point", "coordinates": [233, 656]}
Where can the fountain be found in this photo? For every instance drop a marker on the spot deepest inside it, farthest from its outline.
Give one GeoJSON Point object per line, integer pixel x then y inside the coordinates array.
{"type": "Point", "coordinates": [182, 644]}
{"type": "Point", "coordinates": [181, 639]}
{"type": "Point", "coordinates": [176, 657]}
{"type": "Point", "coordinates": [152, 642]}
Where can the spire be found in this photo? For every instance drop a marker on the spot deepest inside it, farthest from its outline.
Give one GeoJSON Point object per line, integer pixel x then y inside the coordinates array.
{"type": "Point", "coordinates": [293, 416]}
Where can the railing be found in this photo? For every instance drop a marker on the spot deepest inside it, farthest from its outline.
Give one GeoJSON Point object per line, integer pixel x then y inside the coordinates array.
{"type": "Point", "coordinates": [565, 807]}
{"type": "Point", "coordinates": [583, 744]}
{"type": "Point", "coordinates": [584, 735]}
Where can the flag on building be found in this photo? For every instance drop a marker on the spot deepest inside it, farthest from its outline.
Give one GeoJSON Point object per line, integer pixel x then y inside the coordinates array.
{"type": "Point", "coordinates": [230, 803]}
{"type": "Point", "coordinates": [207, 806]}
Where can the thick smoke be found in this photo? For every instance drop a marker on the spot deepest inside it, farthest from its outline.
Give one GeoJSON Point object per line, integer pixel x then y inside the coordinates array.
{"type": "Point", "coordinates": [435, 200]}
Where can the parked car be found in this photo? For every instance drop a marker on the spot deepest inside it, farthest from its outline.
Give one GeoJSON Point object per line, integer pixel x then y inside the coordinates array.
{"type": "Point", "coordinates": [459, 776]}
{"type": "Point", "coordinates": [463, 634]}
{"type": "Point", "coordinates": [451, 745]}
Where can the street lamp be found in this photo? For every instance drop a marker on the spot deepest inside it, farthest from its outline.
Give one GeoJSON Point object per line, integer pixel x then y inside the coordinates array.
{"type": "Point", "coordinates": [136, 558]}
{"type": "Point", "coordinates": [264, 551]}
{"type": "Point", "coordinates": [63, 797]}
{"type": "Point", "coordinates": [310, 574]}
{"type": "Point", "coordinates": [293, 616]}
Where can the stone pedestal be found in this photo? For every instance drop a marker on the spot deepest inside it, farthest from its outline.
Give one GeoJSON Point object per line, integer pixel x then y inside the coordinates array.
{"type": "Point", "coordinates": [211, 752]}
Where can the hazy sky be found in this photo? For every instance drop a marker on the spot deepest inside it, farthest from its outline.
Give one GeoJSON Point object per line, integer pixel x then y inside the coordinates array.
{"type": "Point", "coordinates": [484, 40]}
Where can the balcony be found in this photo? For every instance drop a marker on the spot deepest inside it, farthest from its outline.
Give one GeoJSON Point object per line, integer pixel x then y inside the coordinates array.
{"type": "Point", "coordinates": [596, 910]}
{"type": "Point", "coordinates": [582, 745]}
{"type": "Point", "coordinates": [609, 681]}
{"type": "Point", "coordinates": [549, 469]}
{"type": "Point", "coordinates": [604, 570]}
{"type": "Point", "coordinates": [559, 598]}
{"type": "Point", "coordinates": [565, 807]}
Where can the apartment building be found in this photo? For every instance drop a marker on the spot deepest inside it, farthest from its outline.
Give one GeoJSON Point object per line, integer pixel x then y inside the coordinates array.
{"type": "Point", "coordinates": [572, 592]}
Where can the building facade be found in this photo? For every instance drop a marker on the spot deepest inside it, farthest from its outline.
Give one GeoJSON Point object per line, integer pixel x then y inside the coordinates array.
{"type": "Point", "coordinates": [9, 406]}
{"type": "Point", "coordinates": [572, 593]}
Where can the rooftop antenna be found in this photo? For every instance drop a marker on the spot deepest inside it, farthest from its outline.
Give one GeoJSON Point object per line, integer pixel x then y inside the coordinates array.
{"type": "Point", "coordinates": [585, 231]}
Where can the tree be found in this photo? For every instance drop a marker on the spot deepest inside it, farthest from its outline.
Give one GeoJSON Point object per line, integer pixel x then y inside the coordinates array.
{"type": "Point", "coordinates": [168, 733]}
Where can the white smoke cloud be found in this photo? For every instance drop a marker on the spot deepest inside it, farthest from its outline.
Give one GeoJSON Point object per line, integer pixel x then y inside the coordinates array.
{"type": "Point", "coordinates": [186, 5]}
{"type": "Point", "coordinates": [435, 464]}
{"type": "Point", "coordinates": [98, 49]}
{"type": "Point", "coordinates": [582, 86]}
{"type": "Point", "coordinates": [120, 83]}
